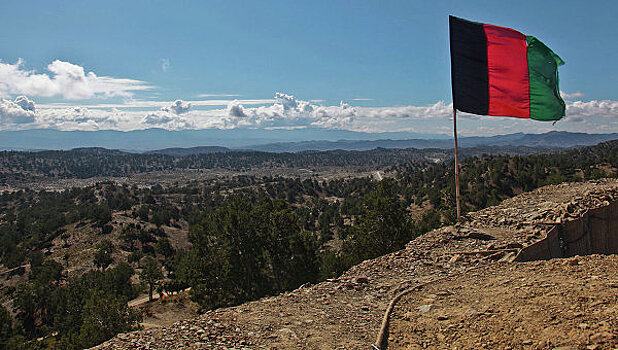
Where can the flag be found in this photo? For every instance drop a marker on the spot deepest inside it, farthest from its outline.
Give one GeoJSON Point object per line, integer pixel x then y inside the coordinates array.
{"type": "Point", "coordinates": [499, 71]}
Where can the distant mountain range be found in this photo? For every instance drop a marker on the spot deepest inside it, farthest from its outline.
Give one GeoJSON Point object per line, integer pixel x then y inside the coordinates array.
{"type": "Point", "coordinates": [154, 139]}
{"type": "Point", "coordinates": [554, 139]}
{"type": "Point", "coordinates": [186, 142]}
{"type": "Point", "coordinates": [179, 152]}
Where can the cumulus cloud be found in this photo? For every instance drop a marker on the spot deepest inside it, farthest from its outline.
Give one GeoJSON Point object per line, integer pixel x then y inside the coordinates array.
{"type": "Point", "coordinates": [66, 79]}
{"type": "Point", "coordinates": [289, 103]}
{"type": "Point", "coordinates": [167, 120]}
{"type": "Point", "coordinates": [579, 111]}
{"type": "Point", "coordinates": [80, 118]}
{"type": "Point", "coordinates": [156, 119]}
{"type": "Point", "coordinates": [236, 110]}
{"type": "Point", "coordinates": [287, 112]}
{"type": "Point", "coordinates": [19, 111]}
{"type": "Point", "coordinates": [25, 103]}
{"type": "Point", "coordinates": [177, 107]}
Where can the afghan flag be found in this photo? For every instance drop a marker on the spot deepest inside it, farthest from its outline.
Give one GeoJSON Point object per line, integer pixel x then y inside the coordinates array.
{"type": "Point", "coordinates": [499, 71]}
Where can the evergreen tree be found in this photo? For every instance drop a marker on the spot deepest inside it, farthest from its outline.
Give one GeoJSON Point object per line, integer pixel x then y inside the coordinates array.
{"type": "Point", "coordinates": [103, 256]}
{"type": "Point", "coordinates": [104, 316]}
{"type": "Point", "coordinates": [383, 226]}
{"type": "Point", "coordinates": [151, 274]}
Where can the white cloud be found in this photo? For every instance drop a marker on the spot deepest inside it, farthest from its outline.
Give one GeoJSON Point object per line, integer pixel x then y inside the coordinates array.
{"type": "Point", "coordinates": [80, 118]}
{"type": "Point", "coordinates": [287, 112]}
{"type": "Point", "coordinates": [19, 111]}
{"type": "Point", "coordinates": [215, 95]}
{"type": "Point", "coordinates": [577, 94]}
{"type": "Point", "coordinates": [155, 104]}
{"type": "Point", "coordinates": [166, 120]}
{"type": "Point", "coordinates": [177, 107]}
{"type": "Point", "coordinates": [290, 103]}
{"type": "Point", "coordinates": [165, 64]}
{"type": "Point", "coordinates": [25, 103]}
{"type": "Point", "coordinates": [157, 118]}
{"type": "Point", "coordinates": [67, 80]}
{"type": "Point", "coordinates": [236, 110]}
{"type": "Point", "coordinates": [579, 111]}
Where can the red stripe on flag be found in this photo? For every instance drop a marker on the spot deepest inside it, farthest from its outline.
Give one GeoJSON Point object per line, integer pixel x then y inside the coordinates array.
{"type": "Point", "coordinates": [507, 65]}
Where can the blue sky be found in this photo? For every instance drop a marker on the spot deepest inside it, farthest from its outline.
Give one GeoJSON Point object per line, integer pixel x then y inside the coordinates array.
{"type": "Point", "coordinates": [368, 54]}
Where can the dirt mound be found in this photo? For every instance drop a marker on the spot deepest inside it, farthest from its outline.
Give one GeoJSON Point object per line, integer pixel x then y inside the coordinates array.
{"type": "Point", "coordinates": [346, 313]}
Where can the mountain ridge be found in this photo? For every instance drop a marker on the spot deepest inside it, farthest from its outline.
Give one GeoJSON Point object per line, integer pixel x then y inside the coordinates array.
{"type": "Point", "coordinates": [209, 141]}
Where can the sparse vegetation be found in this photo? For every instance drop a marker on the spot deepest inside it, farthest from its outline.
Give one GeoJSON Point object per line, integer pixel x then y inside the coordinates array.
{"type": "Point", "coordinates": [248, 236]}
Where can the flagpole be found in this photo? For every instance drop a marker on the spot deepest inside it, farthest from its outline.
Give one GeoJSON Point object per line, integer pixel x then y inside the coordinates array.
{"type": "Point", "coordinates": [456, 164]}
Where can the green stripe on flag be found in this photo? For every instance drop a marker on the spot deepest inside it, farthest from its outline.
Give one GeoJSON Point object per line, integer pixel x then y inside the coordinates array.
{"type": "Point", "coordinates": [543, 63]}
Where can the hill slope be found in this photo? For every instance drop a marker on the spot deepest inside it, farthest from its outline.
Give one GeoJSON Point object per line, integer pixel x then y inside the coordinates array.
{"type": "Point", "coordinates": [345, 313]}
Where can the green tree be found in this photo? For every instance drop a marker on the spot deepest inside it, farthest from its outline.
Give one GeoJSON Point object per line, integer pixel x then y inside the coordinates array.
{"type": "Point", "coordinates": [103, 256]}
{"type": "Point", "coordinates": [6, 326]}
{"type": "Point", "coordinates": [151, 274]}
{"type": "Point", "coordinates": [104, 316]}
{"type": "Point", "coordinates": [383, 226]}
{"type": "Point", "coordinates": [136, 257]}
{"type": "Point", "coordinates": [164, 247]}
{"type": "Point", "coordinates": [102, 214]}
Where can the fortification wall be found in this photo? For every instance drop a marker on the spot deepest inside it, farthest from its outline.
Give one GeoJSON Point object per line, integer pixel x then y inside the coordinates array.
{"type": "Point", "coordinates": [595, 232]}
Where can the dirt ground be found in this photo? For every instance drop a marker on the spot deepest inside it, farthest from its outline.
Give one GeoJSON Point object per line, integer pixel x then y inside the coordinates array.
{"type": "Point", "coordinates": [162, 314]}
{"type": "Point", "coordinates": [563, 303]}
{"type": "Point", "coordinates": [558, 304]}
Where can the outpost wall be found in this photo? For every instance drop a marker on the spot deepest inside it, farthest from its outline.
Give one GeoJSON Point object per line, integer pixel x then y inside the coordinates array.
{"type": "Point", "coordinates": [566, 220]}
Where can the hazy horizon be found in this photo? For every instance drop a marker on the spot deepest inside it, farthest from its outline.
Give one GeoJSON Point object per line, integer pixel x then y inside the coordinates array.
{"type": "Point", "coordinates": [275, 140]}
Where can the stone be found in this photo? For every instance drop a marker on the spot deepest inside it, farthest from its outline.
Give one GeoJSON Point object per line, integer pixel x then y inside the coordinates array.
{"type": "Point", "coordinates": [471, 311]}
{"type": "Point", "coordinates": [455, 258]}
{"type": "Point", "coordinates": [425, 308]}
{"type": "Point", "coordinates": [287, 333]}
{"type": "Point", "coordinates": [601, 337]}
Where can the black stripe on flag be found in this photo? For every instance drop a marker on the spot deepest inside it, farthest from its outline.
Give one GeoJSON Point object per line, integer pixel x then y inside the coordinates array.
{"type": "Point", "coordinates": [469, 77]}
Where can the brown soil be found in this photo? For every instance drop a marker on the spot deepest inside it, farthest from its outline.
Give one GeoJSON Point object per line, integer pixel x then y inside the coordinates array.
{"type": "Point", "coordinates": [537, 305]}
{"type": "Point", "coordinates": [162, 314]}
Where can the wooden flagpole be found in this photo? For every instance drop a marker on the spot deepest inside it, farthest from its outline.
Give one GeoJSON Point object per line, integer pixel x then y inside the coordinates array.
{"type": "Point", "coordinates": [456, 164]}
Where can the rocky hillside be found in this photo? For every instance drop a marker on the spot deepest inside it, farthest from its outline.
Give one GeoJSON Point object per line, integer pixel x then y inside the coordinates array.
{"type": "Point", "coordinates": [347, 312]}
